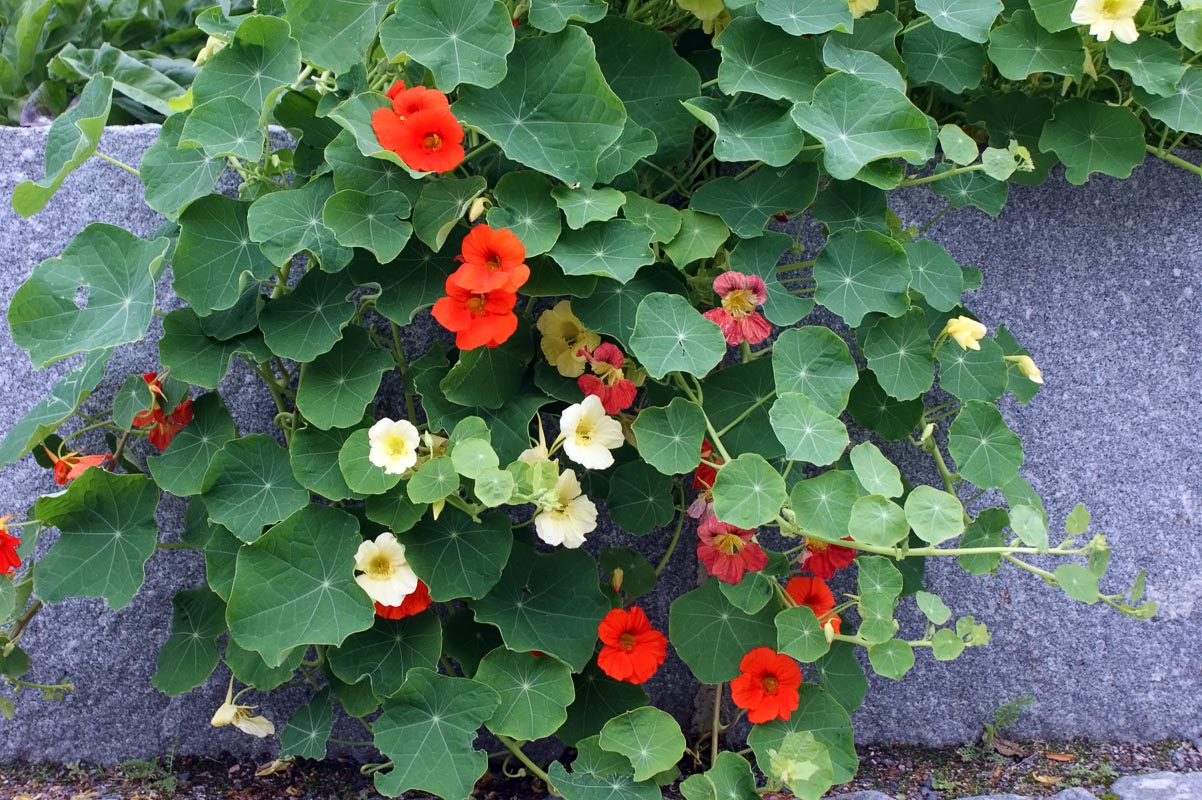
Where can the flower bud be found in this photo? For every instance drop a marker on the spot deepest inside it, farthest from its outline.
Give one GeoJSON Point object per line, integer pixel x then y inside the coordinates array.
{"type": "Point", "coordinates": [478, 207]}
{"type": "Point", "coordinates": [829, 630]}
{"type": "Point", "coordinates": [966, 331]}
{"type": "Point", "coordinates": [926, 432]}
{"type": "Point", "coordinates": [616, 579]}
{"type": "Point", "coordinates": [212, 47]}
{"type": "Point", "coordinates": [1026, 365]}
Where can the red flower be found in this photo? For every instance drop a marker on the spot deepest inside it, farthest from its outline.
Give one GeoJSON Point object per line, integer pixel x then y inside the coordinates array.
{"type": "Point", "coordinates": [406, 101]}
{"type": "Point", "coordinates": [705, 475]}
{"type": "Point", "coordinates": [415, 602]}
{"type": "Point", "coordinates": [163, 427]}
{"type": "Point", "coordinates": [633, 649]}
{"type": "Point", "coordinates": [825, 559]}
{"type": "Point", "coordinates": [478, 319]}
{"type": "Point", "coordinates": [71, 466]}
{"type": "Point", "coordinates": [429, 140]}
{"type": "Point", "coordinates": [727, 552]}
{"type": "Point", "coordinates": [615, 391]}
{"type": "Point", "coordinates": [768, 685]}
{"type": "Point", "coordinates": [493, 259]}
{"type": "Point", "coordinates": [814, 594]}
{"type": "Point", "coordinates": [737, 317]}
{"type": "Point", "coordinates": [9, 560]}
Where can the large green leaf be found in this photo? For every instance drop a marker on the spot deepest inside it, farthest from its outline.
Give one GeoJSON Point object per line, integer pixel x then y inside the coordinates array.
{"type": "Point", "coordinates": [1022, 47]}
{"type": "Point", "coordinates": [652, 79]}
{"type": "Point", "coordinates": [859, 272]}
{"type": "Point", "coordinates": [249, 484]}
{"type": "Point", "coordinates": [490, 376]}
{"type": "Point", "coordinates": [899, 353]}
{"type": "Point", "coordinates": [935, 516]}
{"type": "Point", "coordinates": [748, 491]}
{"type": "Point", "coordinates": [549, 603]}
{"type": "Point", "coordinates": [852, 204]}
{"type": "Point", "coordinates": [387, 651]}
{"type": "Point", "coordinates": [822, 505]}
{"type": "Point", "coordinates": [142, 82]}
{"type": "Point", "coordinates": [313, 454]}
{"type": "Point", "coordinates": [711, 635]}
{"type": "Point", "coordinates": [72, 140]}
{"type": "Point", "coordinates": [459, 41]}
{"type": "Point", "coordinates": [408, 284]}
{"type": "Point", "coordinates": [582, 206]}
{"type": "Point", "coordinates": [803, 17]}
{"type": "Point", "coordinates": [1181, 110]}
{"type": "Point", "coordinates": [736, 401]}
{"type": "Point", "coordinates": [356, 170]}
{"type": "Point", "coordinates": [535, 693]}
{"type": "Point", "coordinates": [700, 236]}
{"type": "Point", "coordinates": [225, 126]}
{"type": "Point", "coordinates": [969, 18]}
{"type": "Point", "coordinates": [649, 737]}
{"type": "Point", "coordinates": [199, 359]}
{"type": "Point", "coordinates": [117, 272]}
{"type": "Point", "coordinates": [817, 713]}
{"type": "Point", "coordinates": [935, 273]}
{"type": "Point", "coordinates": [948, 59]}
{"type": "Point", "coordinates": [807, 432]}
{"type": "Point", "coordinates": [296, 585]}
{"type": "Point", "coordinates": [308, 321]}
{"type": "Point", "coordinates": [553, 111]}
{"type": "Point", "coordinates": [182, 466]}
{"type": "Point", "coordinates": [613, 307]}
{"type": "Point", "coordinates": [525, 206]}
{"type": "Point", "coordinates": [334, 35]}
{"type": "Point", "coordinates": [189, 655]}
{"type": "Point", "coordinates": [457, 556]}
{"type": "Point", "coordinates": [261, 59]}
{"type": "Point", "coordinates": [287, 222]}
{"type": "Point", "coordinates": [1153, 64]}
{"type": "Point", "coordinates": [987, 453]}
{"type": "Point", "coordinates": [616, 248]}
{"type": "Point", "coordinates": [553, 16]}
{"type": "Point", "coordinates": [442, 204]}
{"type": "Point", "coordinates": [640, 499]}
{"type": "Point", "coordinates": [729, 778]}
{"type": "Point", "coordinates": [308, 730]}
{"type": "Point", "coordinates": [863, 63]}
{"type": "Point", "coordinates": [427, 732]}
{"type": "Point", "coordinates": [815, 362]}
{"type": "Point", "coordinates": [55, 408]}
{"type": "Point", "coordinates": [672, 336]}
{"type": "Point", "coordinates": [215, 259]}
{"type": "Point", "coordinates": [599, 699]}
{"type": "Point", "coordinates": [762, 59]}
{"type": "Point", "coordinates": [973, 374]}
{"type": "Point", "coordinates": [877, 520]}
{"type": "Point", "coordinates": [338, 386]}
{"type": "Point", "coordinates": [107, 532]}
{"type": "Point", "coordinates": [755, 130]}
{"type": "Point", "coordinates": [173, 176]}
{"type": "Point", "coordinates": [761, 256]}
{"type": "Point", "coordinates": [669, 438]}
{"type": "Point", "coordinates": [861, 121]}
{"type": "Point", "coordinates": [800, 635]}
{"type": "Point", "coordinates": [374, 222]}
{"type": "Point", "coordinates": [747, 205]}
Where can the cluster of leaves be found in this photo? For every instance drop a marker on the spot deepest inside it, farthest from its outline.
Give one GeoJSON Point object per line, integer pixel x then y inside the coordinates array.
{"type": "Point", "coordinates": [637, 157]}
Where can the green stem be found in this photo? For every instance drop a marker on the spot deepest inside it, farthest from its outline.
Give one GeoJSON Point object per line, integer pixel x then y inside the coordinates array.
{"type": "Point", "coordinates": [65, 686]}
{"type": "Point", "coordinates": [117, 163]}
{"type": "Point", "coordinates": [934, 219]}
{"type": "Point", "coordinates": [349, 743]}
{"type": "Point", "coordinates": [746, 413]}
{"type": "Point", "coordinates": [663, 562]}
{"type": "Point", "coordinates": [749, 170]}
{"type": "Point", "coordinates": [535, 769]}
{"type": "Point", "coordinates": [1172, 159]}
{"type": "Point", "coordinates": [939, 176]}
{"type": "Point", "coordinates": [477, 151]}
{"type": "Point", "coordinates": [716, 724]}
{"type": "Point", "coordinates": [398, 355]}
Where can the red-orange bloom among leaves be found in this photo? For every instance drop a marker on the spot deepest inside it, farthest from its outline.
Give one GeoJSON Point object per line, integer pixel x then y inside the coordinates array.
{"type": "Point", "coordinates": [493, 259]}
{"type": "Point", "coordinates": [430, 140]}
{"type": "Point", "coordinates": [72, 465]}
{"type": "Point", "coordinates": [824, 560]}
{"type": "Point", "coordinates": [767, 686]}
{"type": "Point", "coordinates": [633, 649]}
{"type": "Point", "coordinates": [478, 319]}
{"type": "Point", "coordinates": [814, 594]}
{"type": "Point", "coordinates": [9, 560]}
{"type": "Point", "coordinates": [406, 101]}
{"type": "Point", "coordinates": [415, 602]}
{"type": "Point", "coordinates": [163, 427]}
{"type": "Point", "coordinates": [727, 552]}
{"type": "Point", "coordinates": [615, 391]}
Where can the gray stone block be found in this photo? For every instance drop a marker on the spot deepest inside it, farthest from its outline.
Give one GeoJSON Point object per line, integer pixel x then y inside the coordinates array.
{"type": "Point", "coordinates": [1075, 793]}
{"type": "Point", "coordinates": [870, 794]}
{"type": "Point", "coordinates": [1159, 786]}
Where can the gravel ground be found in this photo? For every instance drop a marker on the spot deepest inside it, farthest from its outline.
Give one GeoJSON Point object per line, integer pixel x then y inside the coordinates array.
{"type": "Point", "coordinates": [1035, 769]}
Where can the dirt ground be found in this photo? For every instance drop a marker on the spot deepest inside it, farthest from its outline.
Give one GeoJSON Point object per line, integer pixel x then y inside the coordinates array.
{"type": "Point", "coordinates": [1030, 768]}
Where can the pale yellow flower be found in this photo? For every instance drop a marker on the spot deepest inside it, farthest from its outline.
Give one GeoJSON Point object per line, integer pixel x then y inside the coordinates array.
{"type": "Point", "coordinates": [563, 338]}
{"type": "Point", "coordinates": [565, 516]}
{"type": "Point", "coordinates": [712, 13]}
{"type": "Point", "coordinates": [966, 331]}
{"type": "Point", "coordinates": [230, 713]}
{"type": "Point", "coordinates": [1108, 17]}
{"type": "Point", "coordinates": [861, 7]}
{"type": "Point", "coordinates": [393, 445]}
{"type": "Point", "coordinates": [589, 434]}
{"type": "Point", "coordinates": [1026, 365]}
{"type": "Point", "coordinates": [385, 573]}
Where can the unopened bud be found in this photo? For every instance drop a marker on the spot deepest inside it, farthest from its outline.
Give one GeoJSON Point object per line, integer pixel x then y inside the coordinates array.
{"type": "Point", "coordinates": [829, 630]}
{"type": "Point", "coordinates": [927, 431]}
{"type": "Point", "coordinates": [616, 579]}
{"type": "Point", "coordinates": [478, 207]}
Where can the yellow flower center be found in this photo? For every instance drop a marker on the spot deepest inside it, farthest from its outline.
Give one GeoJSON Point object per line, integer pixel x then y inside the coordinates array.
{"type": "Point", "coordinates": [584, 433]}
{"type": "Point", "coordinates": [816, 546]}
{"type": "Point", "coordinates": [728, 543]}
{"type": "Point", "coordinates": [380, 567]}
{"type": "Point", "coordinates": [770, 683]}
{"type": "Point", "coordinates": [739, 303]}
{"type": "Point", "coordinates": [432, 141]}
{"type": "Point", "coordinates": [607, 372]}
{"type": "Point", "coordinates": [395, 446]}
{"type": "Point", "coordinates": [476, 304]}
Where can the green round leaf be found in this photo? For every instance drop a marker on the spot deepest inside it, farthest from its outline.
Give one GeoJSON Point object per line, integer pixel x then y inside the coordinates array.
{"type": "Point", "coordinates": [308, 730]}
{"type": "Point", "coordinates": [711, 635]}
{"type": "Point", "coordinates": [457, 556]}
{"type": "Point", "coordinates": [308, 321]}
{"type": "Point", "coordinates": [525, 206]}
{"type": "Point", "coordinates": [1094, 137]}
{"type": "Point", "coordinates": [935, 515]}
{"type": "Point", "coordinates": [815, 362]}
{"type": "Point", "coordinates": [249, 484]}
{"type": "Point", "coordinates": [807, 432]}
{"type": "Point", "coordinates": [371, 221]}
{"type": "Point", "coordinates": [859, 272]}
{"type": "Point", "coordinates": [875, 472]}
{"type": "Point", "coordinates": [754, 130]}
{"type": "Point", "coordinates": [987, 453]}
{"type": "Point", "coordinates": [337, 387]}
{"type": "Point", "coordinates": [877, 520]}
{"type": "Point", "coordinates": [313, 454]}
{"type": "Point", "coordinates": [650, 738]}
{"type": "Point", "coordinates": [261, 59]}
{"type": "Point", "coordinates": [800, 635]}
{"type": "Point", "coordinates": [748, 492]}
{"type": "Point", "coordinates": [700, 236]}
{"type": "Point", "coordinates": [535, 693]}
{"type": "Point", "coordinates": [820, 714]}
{"type": "Point", "coordinates": [822, 505]}
{"type": "Point", "coordinates": [969, 18]}
{"type": "Point", "coordinates": [182, 466]}
{"type": "Point", "coordinates": [937, 56]}
{"type": "Point", "coordinates": [616, 249]}
{"type": "Point", "coordinates": [553, 16]}
{"type": "Point", "coordinates": [672, 336]}
{"type": "Point", "coordinates": [747, 205]}
{"type": "Point", "coordinates": [800, 17]}
{"type": "Point", "coordinates": [174, 176]}
{"type": "Point", "coordinates": [973, 374]}
{"type": "Point", "coordinates": [1078, 583]}
{"type": "Point", "coordinates": [669, 438]}
{"type": "Point", "coordinates": [224, 126]}
{"type": "Point", "coordinates": [387, 651]}
{"type": "Point", "coordinates": [640, 498]}
{"type": "Point", "coordinates": [459, 41]}
{"type": "Point", "coordinates": [872, 408]}
{"type": "Point", "coordinates": [287, 222]}
{"type": "Point", "coordinates": [1022, 47]}
{"type": "Point", "coordinates": [189, 655]}
{"type": "Point", "coordinates": [899, 354]}
{"type": "Point", "coordinates": [215, 259]}
{"type": "Point", "coordinates": [891, 659]}
{"type": "Point", "coordinates": [759, 58]}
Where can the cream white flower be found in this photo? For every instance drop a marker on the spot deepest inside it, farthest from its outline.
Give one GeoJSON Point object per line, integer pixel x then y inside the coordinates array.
{"type": "Point", "coordinates": [230, 713]}
{"type": "Point", "coordinates": [966, 331]}
{"type": "Point", "coordinates": [861, 7]}
{"type": "Point", "coordinates": [1026, 365]}
{"type": "Point", "coordinates": [589, 433]}
{"type": "Point", "coordinates": [386, 575]}
{"type": "Point", "coordinates": [1108, 17]}
{"type": "Point", "coordinates": [393, 445]}
{"type": "Point", "coordinates": [565, 515]}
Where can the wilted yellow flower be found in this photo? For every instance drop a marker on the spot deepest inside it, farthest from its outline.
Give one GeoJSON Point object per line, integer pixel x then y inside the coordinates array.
{"type": "Point", "coordinates": [712, 13]}
{"type": "Point", "coordinates": [212, 47]}
{"type": "Point", "coordinates": [1106, 17]}
{"type": "Point", "coordinates": [966, 331]}
{"type": "Point", "coordinates": [564, 337]}
{"type": "Point", "coordinates": [1026, 365]}
{"type": "Point", "coordinates": [861, 7]}
{"type": "Point", "coordinates": [230, 713]}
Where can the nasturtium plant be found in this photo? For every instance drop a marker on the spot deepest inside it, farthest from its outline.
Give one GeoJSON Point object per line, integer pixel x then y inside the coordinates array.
{"type": "Point", "coordinates": [594, 211]}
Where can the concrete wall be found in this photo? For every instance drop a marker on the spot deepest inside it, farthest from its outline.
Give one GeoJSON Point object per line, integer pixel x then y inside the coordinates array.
{"type": "Point", "coordinates": [1099, 281]}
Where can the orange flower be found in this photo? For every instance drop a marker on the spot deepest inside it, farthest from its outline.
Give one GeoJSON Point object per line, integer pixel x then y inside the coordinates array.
{"type": "Point", "coordinates": [478, 319]}
{"type": "Point", "coordinates": [825, 559]}
{"type": "Point", "coordinates": [493, 259]}
{"type": "Point", "coordinates": [429, 140]}
{"type": "Point", "coordinates": [728, 552]}
{"type": "Point", "coordinates": [633, 649]}
{"type": "Point", "coordinates": [415, 602]}
{"type": "Point", "coordinates": [163, 427]}
{"type": "Point", "coordinates": [814, 594]}
{"type": "Point", "coordinates": [768, 685]}
{"type": "Point", "coordinates": [609, 384]}
{"type": "Point", "coordinates": [9, 560]}
{"type": "Point", "coordinates": [406, 101]}
{"type": "Point", "coordinates": [72, 465]}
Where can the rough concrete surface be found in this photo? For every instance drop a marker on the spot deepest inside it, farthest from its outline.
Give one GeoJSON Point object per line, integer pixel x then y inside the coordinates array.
{"type": "Point", "coordinates": [1098, 281]}
{"type": "Point", "coordinates": [1159, 786]}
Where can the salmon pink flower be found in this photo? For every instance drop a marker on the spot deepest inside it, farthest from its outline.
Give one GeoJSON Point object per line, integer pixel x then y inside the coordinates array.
{"type": "Point", "coordinates": [493, 259]}
{"type": "Point", "coordinates": [633, 650]}
{"type": "Point", "coordinates": [814, 594]}
{"type": "Point", "coordinates": [478, 319]}
{"type": "Point", "coordinates": [415, 602]}
{"type": "Point", "coordinates": [824, 559]}
{"type": "Point", "coordinates": [9, 560]}
{"type": "Point", "coordinates": [767, 686]}
{"type": "Point", "coordinates": [728, 552]}
{"type": "Point", "coordinates": [737, 317]}
{"type": "Point", "coordinates": [428, 140]}
{"type": "Point", "coordinates": [69, 467]}
{"type": "Point", "coordinates": [615, 391]}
